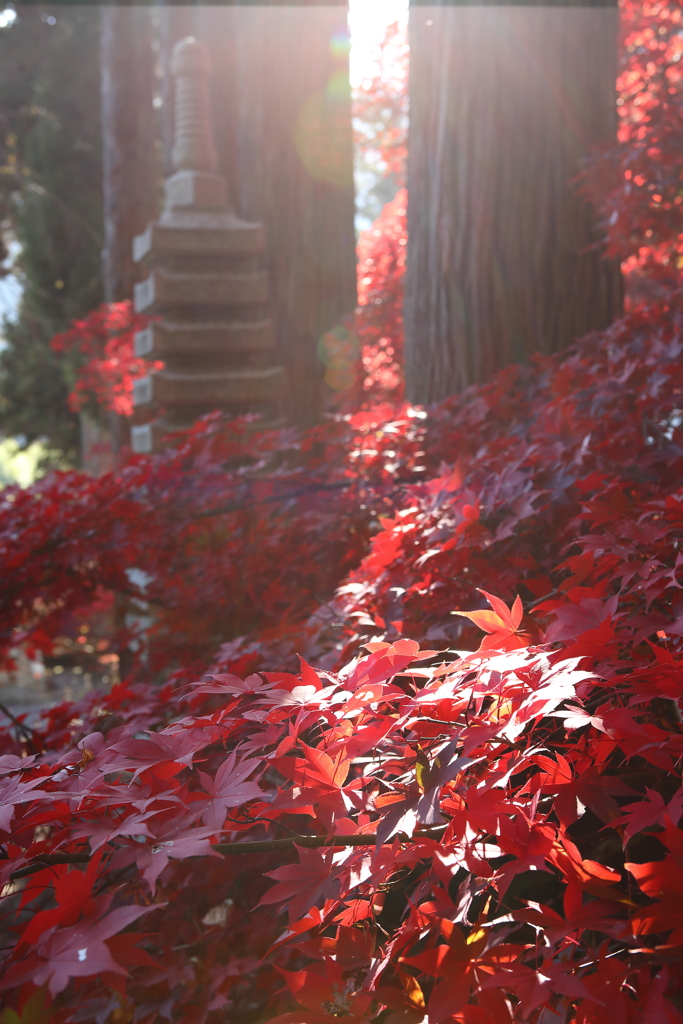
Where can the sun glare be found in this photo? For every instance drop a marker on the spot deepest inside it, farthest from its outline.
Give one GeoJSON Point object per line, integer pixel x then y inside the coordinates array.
{"type": "Point", "coordinates": [368, 20]}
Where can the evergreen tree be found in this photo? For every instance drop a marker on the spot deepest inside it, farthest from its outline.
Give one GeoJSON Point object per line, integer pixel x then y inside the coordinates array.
{"type": "Point", "coordinates": [51, 203]}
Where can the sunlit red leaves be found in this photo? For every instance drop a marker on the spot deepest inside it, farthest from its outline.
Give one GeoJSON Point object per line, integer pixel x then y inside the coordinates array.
{"type": "Point", "coordinates": [577, 786]}
{"type": "Point", "coordinates": [385, 661]}
{"type": "Point", "coordinates": [380, 110]}
{"type": "Point", "coordinates": [16, 791]}
{"type": "Point", "coordinates": [382, 253]}
{"type": "Point", "coordinates": [513, 800]}
{"type": "Point", "coordinates": [104, 341]}
{"type": "Point", "coordinates": [637, 182]}
{"type": "Point", "coordinates": [73, 540]}
{"type": "Point", "coordinates": [662, 881]}
{"type": "Point", "coordinates": [332, 992]}
{"type": "Point", "coordinates": [653, 810]}
{"type": "Point", "coordinates": [535, 986]}
{"type": "Point", "coordinates": [161, 755]}
{"type": "Point", "coordinates": [502, 625]}
{"type": "Point", "coordinates": [455, 963]}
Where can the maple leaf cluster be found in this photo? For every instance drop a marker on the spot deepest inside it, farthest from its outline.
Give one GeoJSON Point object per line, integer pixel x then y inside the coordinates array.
{"type": "Point", "coordinates": [380, 119]}
{"type": "Point", "coordinates": [636, 183]}
{"type": "Point", "coordinates": [440, 837]}
{"type": "Point", "coordinates": [382, 251]}
{"type": "Point", "coordinates": [455, 828]}
{"type": "Point", "coordinates": [380, 107]}
{"type": "Point", "coordinates": [108, 367]}
{"type": "Point", "coordinates": [231, 533]}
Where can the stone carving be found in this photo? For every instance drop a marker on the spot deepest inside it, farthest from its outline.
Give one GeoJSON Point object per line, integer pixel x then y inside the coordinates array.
{"type": "Point", "coordinates": [205, 285]}
{"type": "Point", "coordinates": [193, 148]}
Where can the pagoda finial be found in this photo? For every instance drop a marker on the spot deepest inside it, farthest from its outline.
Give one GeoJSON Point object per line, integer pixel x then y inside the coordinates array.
{"type": "Point", "coordinates": [194, 185]}
{"type": "Point", "coordinates": [193, 143]}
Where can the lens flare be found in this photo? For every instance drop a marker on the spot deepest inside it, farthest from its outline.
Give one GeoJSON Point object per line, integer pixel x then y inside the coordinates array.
{"type": "Point", "coordinates": [321, 134]}
{"type": "Point", "coordinates": [339, 350]}
{"type": "Point", "coordinates": [340, 44]}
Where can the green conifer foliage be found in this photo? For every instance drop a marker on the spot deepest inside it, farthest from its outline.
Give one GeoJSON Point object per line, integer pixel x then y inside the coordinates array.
{"type": "Point", "coordinates": [51, 203]}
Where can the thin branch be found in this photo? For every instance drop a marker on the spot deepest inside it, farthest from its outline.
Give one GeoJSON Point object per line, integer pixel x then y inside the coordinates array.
{"type": "Point", "coordinates": [542, 598]}
{"type": "Point", "coordinates": [363, 839]}
{"type": "Point", "coordinates": [262, 846]}
{"type": "Point", "coordinates": [49, 861]}
{"type": "Point", "coordinates": [20, 727]}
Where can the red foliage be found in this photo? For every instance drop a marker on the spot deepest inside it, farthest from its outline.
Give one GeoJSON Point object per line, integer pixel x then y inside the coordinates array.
{"type": "Point", "coordinates": [522, 800]}
{"type": "Point", "coordinates": [109, 367]}
{"type": "Point", "coordinates": [638, 182]}
{"type": "Point", "coordinates": [104, 340]}
{"type": "Point", "coordinates": [379, 319]}
{"type": "Point", "coordinates": [597, 428]}
{"type": "Point", "coordinates": [380, 110]}
{"type": "Point", "coordinates": [234, 532]}
{"type": "Point", "coordinates": [478, 832]}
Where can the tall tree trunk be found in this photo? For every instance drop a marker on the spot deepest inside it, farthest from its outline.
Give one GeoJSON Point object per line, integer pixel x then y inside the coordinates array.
{"type": "Point", "coordinates": [129, 164]}
{"type": "Point", "coordinates": [503, 252]}
{"type": "Point", "coordinates": [283, 122]}
{"type": "Point", "coordinates": [128, 134]}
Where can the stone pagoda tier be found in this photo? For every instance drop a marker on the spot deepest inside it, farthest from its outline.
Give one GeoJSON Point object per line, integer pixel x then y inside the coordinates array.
{"type": "Point", "coordinates": [206, 290]}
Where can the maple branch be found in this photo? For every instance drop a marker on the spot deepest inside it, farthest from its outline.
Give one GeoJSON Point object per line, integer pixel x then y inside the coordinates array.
{"type": "Point", "coordinates": [49, 861]}
{"type": "Point", "coordinates": [261, 846]}
{"type": "Point", "coordinates": [542, 598]}
{"type": "Point", "coordinates": [22, 729]}
{"type": "Point", "coordinates": [362, 839]}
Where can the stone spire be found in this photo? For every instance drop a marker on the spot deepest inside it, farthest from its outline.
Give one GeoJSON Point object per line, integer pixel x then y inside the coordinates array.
{"type": "Point", "coordinates": [194, 182]}
{"type": "Point", "coordinates": [193, 145]}
{"type": "Point", "coordinates": [206, 288]}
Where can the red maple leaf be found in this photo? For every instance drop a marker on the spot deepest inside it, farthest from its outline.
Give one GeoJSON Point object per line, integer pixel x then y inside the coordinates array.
{"type": "Point", "coordinates": [651, 811]}
{"type": "Point", "coordinates": [229, 788]}
{"type": "Point", "coordinates": [662, 881]}
{"type": "Point", "coordinates": [303, 884]}
{"type": "Point", "coordinates": [73, 894]}
{"type": "Point", "coordinates": [80, 951]}
{"type": "Point", "coordinates": [502, 624]}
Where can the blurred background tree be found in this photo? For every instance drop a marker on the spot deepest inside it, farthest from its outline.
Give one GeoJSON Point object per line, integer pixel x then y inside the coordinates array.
{"type": "Point", "coordinates": [50, 208]}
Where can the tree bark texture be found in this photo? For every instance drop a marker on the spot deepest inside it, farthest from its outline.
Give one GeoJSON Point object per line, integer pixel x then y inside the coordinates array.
{"type": "Point", "coordinates": [282, 111]}
{"type": "Point", "coordinates": [130, 178]}
{"type": "Point", "coordinates": [504, 255]}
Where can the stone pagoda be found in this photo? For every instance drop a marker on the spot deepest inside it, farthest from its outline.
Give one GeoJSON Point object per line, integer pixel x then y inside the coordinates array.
{"type": "Point", "coordinates": [206, 290]}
